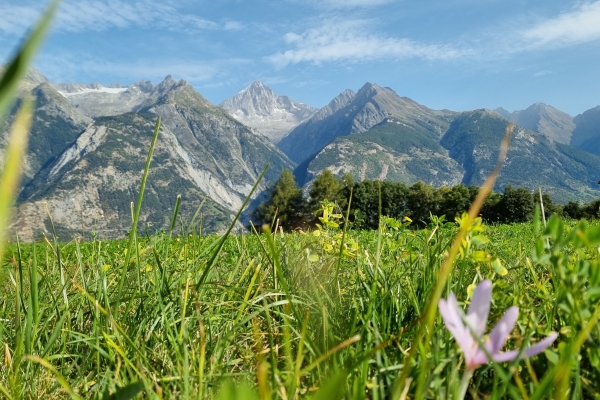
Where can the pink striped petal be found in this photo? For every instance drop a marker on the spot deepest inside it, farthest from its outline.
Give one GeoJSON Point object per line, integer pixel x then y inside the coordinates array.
{"type": "Point", "coordinates": [502, 329]}
{"type": "Point", "coordinates": [479, 308]}
{"type": "Point", "coordinates": [450, 313]}
{"type": "Point", "coordinates": [529, 352]}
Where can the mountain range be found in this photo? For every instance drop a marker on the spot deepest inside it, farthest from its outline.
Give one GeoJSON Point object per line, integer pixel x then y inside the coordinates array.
{"type": "Point", "coordinates": [88, 170]}
{"type": "Point", "coordinates": [89, 143]}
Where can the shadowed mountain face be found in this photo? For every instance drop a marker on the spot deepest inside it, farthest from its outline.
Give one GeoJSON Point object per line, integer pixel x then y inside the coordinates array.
{"type": "Point", "coordinates": [567, 173]}
{"type": "Point", "coordinates": [391, 150]}
{"type": "Point", "coordinates": [56, 124]}
{"type": "Point", "coordinates": [547, 120]}
{"type": "Point", "coordinates": [586, 135]}
{"type": "Point", "coordinates": [348, 114]}
{"type": "Point", "coordinates": [90, 179]}
{"type": "Point", "coordinates": [271, 115]}
{"type": "Point", "coordinates": [465, 153]}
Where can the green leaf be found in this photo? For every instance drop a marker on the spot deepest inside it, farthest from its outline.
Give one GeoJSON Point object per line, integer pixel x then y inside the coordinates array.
{"type": "Point", "coordinates": [231, 391]}
{"type": "Point", "coordinates": [333, 387]}
{"type": "Point", "coordinates": [127, 392]}
{"type": "Point", "coordinates": [593, 235]}
{"type": "Point", "coordinates": [498, 267]}
{"type": "Point", "coordinates": [480, 240]}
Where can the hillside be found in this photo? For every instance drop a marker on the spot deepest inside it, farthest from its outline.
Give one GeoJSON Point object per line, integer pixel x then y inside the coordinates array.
{"type": "Point", "coordinates": [349, 114]}
{"type": "Point", "coordinates": [391, 151]}
{"type": "Point", "coordinates": [567, 173]}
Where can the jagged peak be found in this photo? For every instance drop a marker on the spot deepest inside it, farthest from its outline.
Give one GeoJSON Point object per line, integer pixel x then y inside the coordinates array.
{"type": "Point", "coordinates": [257, 88]}
{"type": "Point", "coordinates": [169, 84]}
{"type": "Point", "coordinates": [370, 90]}
{"type": "Point", "coordinates": [258, 84]}
{"type": "Point", "coordinates": [145, 86]}
{"type": "Point", "coordinates": [343, 98]}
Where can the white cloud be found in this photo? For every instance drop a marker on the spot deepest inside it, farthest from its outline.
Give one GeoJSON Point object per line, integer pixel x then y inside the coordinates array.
{"type": "Point", "coordinates": [16, 19]}
{"type": "Point", "coordinates": [542, 73]}
{"type": "Point", "coordinates": [351, 41]}
{"type": "Point", "coordinates": [63, 67]}
{"type": "Point", "coordinates": [344, 4]}
{"type": "Point", "coordinates": [101, 15]}
{"type": "Point", "coordinates": [580, 25]}
{"type": "Point", "coordinates": [233, 26]}
{"type": "Point", "coordinates": [354, 3]}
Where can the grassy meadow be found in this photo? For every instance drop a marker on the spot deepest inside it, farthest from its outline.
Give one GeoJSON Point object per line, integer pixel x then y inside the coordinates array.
{"type": "Point", "coordinates": [321, 314]}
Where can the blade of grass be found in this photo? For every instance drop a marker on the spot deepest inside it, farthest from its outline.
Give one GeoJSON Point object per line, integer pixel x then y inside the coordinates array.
{"type": "Point", "coordinates": [217, 251]}
{"type": "Point", "coordinates": [425, 330]}
{"type": "Point", "coordinates": [136, 215]}
{"type": "Point", "coordinates": [17, 68]}
{"type": "Point", "coordinates": [11, 175]}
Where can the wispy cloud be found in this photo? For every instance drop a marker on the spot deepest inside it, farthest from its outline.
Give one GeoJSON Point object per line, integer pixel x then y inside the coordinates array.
{"type": "Point", "coordinates": [349, 3]}
{"type": "Point", "coordinates": [63, 67]}
{"type": "Point", "coordinates": [542, 73]}
{"type": "Point", "coordinates": [352, 41]}
{"type": "Point", "coordinates": [101, 15]}
{"type": "Point", "coordinates": [580, 25]}
{"type": "Point", "coordinates": [233, 26]}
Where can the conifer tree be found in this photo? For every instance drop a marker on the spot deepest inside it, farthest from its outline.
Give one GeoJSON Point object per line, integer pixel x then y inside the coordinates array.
{"type": "Point", "coordinates": [325, 187]}
{"type": "Point", "coordinates": [285, 203]}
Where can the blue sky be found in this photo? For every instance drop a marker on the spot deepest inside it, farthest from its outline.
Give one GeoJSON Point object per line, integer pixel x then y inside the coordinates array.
{"type": "Point", "coordinates": [454, 54]}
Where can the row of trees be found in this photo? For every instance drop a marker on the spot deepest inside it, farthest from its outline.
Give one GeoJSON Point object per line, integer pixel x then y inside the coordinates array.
{"type": "Point", "coordinates": [370, 199]}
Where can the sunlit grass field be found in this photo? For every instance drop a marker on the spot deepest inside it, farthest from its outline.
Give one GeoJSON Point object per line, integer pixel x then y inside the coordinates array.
{"type": "Point", "coordinates": [295, 315]}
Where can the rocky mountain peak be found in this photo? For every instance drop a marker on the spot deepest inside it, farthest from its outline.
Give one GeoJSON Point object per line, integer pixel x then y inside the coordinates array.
{"type": "Point", "coordinates": [257, 88]}
{"type": "Point", "coordinates": [339, 102]}
{"type": "Point", "coordinates": [169, 84]}
{"type": "Point", "coordinates": [369, 90]}
{"type": "Point", "coordinates": [587, 131]}
{"type": "Point", "coordinates": [503, 112]}
{"type": "Point", "coordinates": [553, 123]}
{"type": "Point", "coordinates": [144, 86]}
{"type": "Point", "coordinates": [272, 115]}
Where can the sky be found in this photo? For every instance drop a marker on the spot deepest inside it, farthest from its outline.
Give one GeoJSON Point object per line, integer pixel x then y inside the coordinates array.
{"type": "Point", "coordinates": [445, 54]}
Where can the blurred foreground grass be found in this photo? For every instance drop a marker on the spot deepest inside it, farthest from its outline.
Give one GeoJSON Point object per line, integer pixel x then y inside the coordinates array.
{"type": "Point", "coordinates": [290, 316]}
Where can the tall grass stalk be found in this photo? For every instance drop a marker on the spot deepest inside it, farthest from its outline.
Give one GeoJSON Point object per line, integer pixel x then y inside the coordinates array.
{"type": "Point", "coordinates": [427, 319]}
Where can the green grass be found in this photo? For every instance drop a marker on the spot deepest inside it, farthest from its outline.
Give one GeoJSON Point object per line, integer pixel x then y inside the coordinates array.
{"type": "Point", "coordinates": [286, 314]}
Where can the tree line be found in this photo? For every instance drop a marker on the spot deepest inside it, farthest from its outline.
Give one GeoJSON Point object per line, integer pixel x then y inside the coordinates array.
{"type": "Point", "coordinates": [369, 199]}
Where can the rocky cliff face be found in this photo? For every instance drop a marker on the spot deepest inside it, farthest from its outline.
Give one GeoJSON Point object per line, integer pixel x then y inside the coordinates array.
{"type": "Point", "coordinates": [586, 135]}
{"type": "Point", "coordinates": [556, 125]}
{"type": "Point", "coordinates": [273, 116]}
{"type": "Point", "coordinates": [349, 114]}
{"type": "Point", "coordinates": [56, 124]}
{"type": "Point", "coordinates": [90, 176]}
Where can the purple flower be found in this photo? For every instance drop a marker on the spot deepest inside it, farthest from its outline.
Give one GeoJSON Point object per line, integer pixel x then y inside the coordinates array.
{"type": "Point", "coordinates": [470, 335]}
